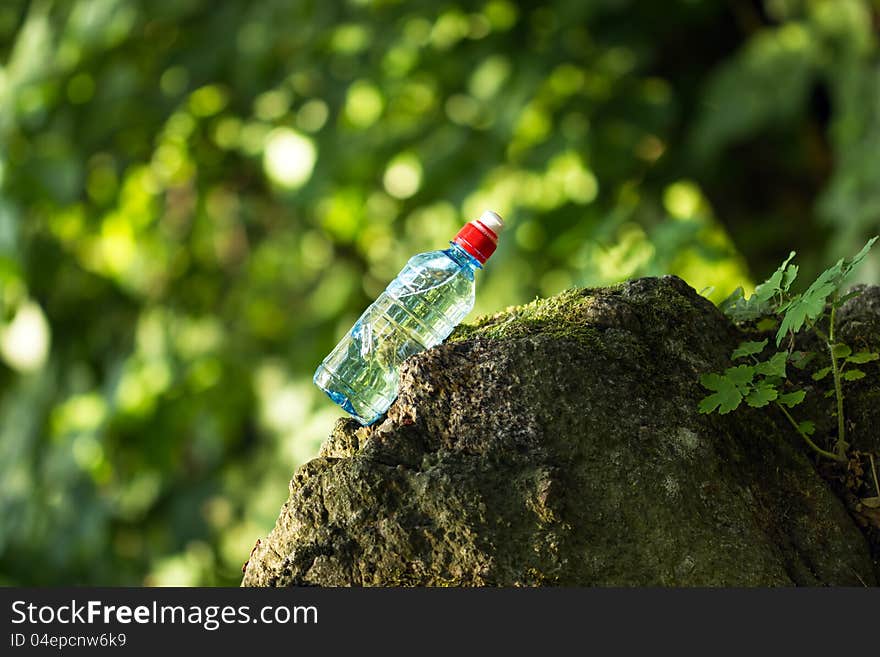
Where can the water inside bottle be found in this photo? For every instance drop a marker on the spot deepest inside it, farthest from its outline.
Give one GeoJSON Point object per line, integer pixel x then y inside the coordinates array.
{"type": "Point", "coordinates": [418, 310]}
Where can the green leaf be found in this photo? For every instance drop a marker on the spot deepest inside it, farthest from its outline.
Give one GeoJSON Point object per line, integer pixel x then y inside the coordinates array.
{"type": "Point", "coordinates": [793, 320]}
{"type": "Point", "coordinates": [863, 357]}
{"type": "Point", "coordinates": [821, 374]}
{"type": "Point", "coordinates": [748, 349]}
{"type": "Point", "coordinates": [811, 304]}
{"type": "Point", "coordinates": [740, 309]}
{"type": "Point", "coordinates": [856, 260]}
{"type": "Point", "coordinates": [846, 297]}
{"type": "Point", "coordinates": [726, 398]}
{"type": "Point", "coordinates": [853, 375]}
{"type": "Point", "coordinates": [800, 359]}
{"type": "Point", "coordinates": [841, 350]}
{"type": "Point", "coordinates": [836, 275]}
{"type": "Point", "coordinates": [807, 427]}
{"type": "Point", "coordinates": [741, 375]}
{"type": "Point", "coordinates": [788, 277]}
{"type": "Point", "coordinates": [830, 393]}
{"type": "Point", "coordinates": [775, 366]}
{"type": "Point", "coordinates": [773, 285]}
{"type": "Point", "coordinates": [767, 324]}
{"type": "Point", "coordinates": [792, 399]}
{"type": "Point", "coordinates": [774, 381]}
{"type": "Point", "coordinates": [761, 395]}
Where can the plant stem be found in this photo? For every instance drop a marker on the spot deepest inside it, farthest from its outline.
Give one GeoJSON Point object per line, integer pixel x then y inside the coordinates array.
{"type": "Point", "coordinates": [816, 448]}
{"type": "Point", "coordinates": [874, 472]}
{"type": "Point", "coordinates": [841, 444]}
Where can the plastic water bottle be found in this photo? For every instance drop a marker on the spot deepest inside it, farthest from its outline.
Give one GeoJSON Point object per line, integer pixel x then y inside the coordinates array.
{"type": "Point", "coordinates": [417, 311]}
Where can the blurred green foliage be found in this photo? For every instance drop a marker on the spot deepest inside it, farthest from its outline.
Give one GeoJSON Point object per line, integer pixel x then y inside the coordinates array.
{"type": "Point", "coordinates": [198, 198]}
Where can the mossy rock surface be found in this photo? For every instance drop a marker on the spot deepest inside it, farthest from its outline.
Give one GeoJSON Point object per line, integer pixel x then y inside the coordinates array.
{"type": "Point", "coordinates": [559, 443]}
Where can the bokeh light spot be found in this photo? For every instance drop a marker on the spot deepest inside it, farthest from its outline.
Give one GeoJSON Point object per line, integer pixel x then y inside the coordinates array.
{"type": "Point", "coordinates": [289, 158]}
{"type": "Point", "coordinates": [363, 104]}
{"type": "Point", "coordinates": [682, 199]}
{"type": "Point", "coordinates": [271, 105]}
{"type": "Point", "coordinates": [24, 342]}
{"type": "Point", "coordinates": [403, 177]}
{"type": "Point", "coordinates": [312, 116]}
{"type": "Point", "coordinates": [208, 100]}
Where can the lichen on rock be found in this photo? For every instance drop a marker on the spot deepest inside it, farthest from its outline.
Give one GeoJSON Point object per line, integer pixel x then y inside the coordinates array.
{"type": "Point", "coordinates": [559, 443]}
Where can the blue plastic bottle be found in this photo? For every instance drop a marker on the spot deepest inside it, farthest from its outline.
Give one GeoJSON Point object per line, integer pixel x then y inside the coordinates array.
{"type": "Point", "coordinates": [417, 311]}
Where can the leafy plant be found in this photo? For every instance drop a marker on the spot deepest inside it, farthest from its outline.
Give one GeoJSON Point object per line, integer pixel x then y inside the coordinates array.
{"type": "Point", "coordinates": [761, 381]}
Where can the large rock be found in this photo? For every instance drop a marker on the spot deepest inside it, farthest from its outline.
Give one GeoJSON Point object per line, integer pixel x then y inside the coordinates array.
{"type": "Point", "coordinates": [858, 324]}
{"type": "Point", "coordinates": [560, 443]}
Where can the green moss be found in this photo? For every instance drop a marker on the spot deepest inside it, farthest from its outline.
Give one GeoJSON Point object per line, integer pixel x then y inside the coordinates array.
{"type": "Point", "coordinates": [580, 313]}
{"type": "Point", "coordinates": [561, 317]}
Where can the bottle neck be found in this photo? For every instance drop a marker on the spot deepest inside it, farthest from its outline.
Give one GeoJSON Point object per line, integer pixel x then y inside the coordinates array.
{"type": "Point", "coordinates": [462, 257]}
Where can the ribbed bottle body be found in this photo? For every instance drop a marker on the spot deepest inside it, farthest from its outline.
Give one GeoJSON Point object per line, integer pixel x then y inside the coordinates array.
{"type": "Point", "coordinates": [418, 310]}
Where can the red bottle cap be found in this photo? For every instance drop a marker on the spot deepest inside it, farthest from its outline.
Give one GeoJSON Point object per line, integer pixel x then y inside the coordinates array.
{"type": "Point", "coordinates": [480, 236]}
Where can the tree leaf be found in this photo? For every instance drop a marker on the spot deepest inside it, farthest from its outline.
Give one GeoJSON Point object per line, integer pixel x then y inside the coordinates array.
{"type": "Point", "coordinates": [761, 395]}
{"type": "Point", "coordinates": [792, 399]}
{"type": "Point", "coordinates": [748, 349]}
{"type": "Point", "coordinates": [863, 357]}
{"type": "Point", "coordinates": [853, 375]}
{"type": "Point", "coordinates": [775, 366]}
{"type": "Point", "coordinates": [807, 427]}
{"type": "Point", "coordinates": [841, 350]}
{"type": "Point", "coordinates": [726, 398]}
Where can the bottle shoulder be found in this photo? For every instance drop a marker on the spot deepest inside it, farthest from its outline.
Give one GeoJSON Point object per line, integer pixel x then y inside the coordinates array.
{"type": "Point", "coordinates": [433, 259]}
{"type": "Point", "coordinates": [431, 270]}
{"type": "Point", "coordinates": [439, 261]}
